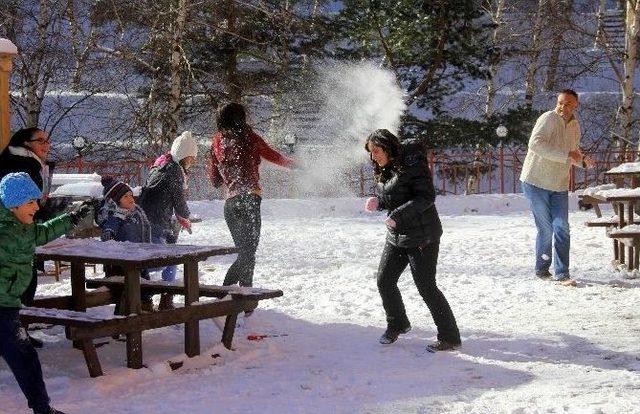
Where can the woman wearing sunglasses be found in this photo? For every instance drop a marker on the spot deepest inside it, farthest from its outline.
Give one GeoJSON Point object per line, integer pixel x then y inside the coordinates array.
{"type": "Point", "coordinates": [27, 152]}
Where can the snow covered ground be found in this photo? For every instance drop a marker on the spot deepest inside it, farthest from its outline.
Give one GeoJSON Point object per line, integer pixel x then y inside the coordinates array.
{"type": "Point", "coordinates": [529, 346]}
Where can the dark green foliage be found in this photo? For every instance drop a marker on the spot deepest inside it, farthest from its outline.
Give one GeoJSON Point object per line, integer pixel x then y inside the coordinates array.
{"type": "Point", "coordinates": [432, 46]}
{"type": "Point", "coordinates": [449, 132]}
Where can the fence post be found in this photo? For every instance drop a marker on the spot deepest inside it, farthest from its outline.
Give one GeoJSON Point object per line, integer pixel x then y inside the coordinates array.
{"type": "Point", "coordinates": [501, 169]}
{"type": "Point", "coordinates": [7, 51]}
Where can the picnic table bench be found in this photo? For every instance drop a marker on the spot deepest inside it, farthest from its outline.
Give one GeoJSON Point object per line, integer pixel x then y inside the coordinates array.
{"type": "Point", "coordinates": [133, 257]}
{"type": "Point", "coordinates": [630, 236]}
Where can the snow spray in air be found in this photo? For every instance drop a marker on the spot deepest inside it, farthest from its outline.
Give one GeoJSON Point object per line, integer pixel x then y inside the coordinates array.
{"type": "Point", "coordinates": [355, 100]}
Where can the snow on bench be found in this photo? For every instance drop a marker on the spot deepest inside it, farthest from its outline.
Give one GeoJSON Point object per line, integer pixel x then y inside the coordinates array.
{"type": "Point", "coordinates": [627, 167]}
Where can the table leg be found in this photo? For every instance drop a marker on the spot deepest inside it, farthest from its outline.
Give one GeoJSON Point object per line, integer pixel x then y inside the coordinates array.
{"type": "Point", "coordinates": [621, 224]}
{"type": "Point", "coordinates": [229, 328]}
{"type": "Point", "coordinates": [191, 295]}
{"type": "Point", "coordinates": [133, 306]}
{"type": "Point", "coordinates": [78, 293]}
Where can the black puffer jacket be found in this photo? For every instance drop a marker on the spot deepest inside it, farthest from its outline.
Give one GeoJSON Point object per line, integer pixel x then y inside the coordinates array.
{"type": "Point", "coordinates": [11, 163]}
{"type": "Point", "coordinates": [406, 191]}
{"type": "Point", "coordinates": [163, 194]}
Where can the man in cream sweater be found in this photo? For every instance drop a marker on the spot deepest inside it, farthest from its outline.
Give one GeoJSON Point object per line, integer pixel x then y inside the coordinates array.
{"type": "Point", "coordinates": [553, 149]}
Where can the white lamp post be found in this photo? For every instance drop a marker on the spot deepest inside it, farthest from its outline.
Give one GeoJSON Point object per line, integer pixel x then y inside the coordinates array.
{"type": "Point", "coordinates": [290, 141]}
{"type": "Point", "coordinates": [79, 143]}
{"type": "Point", "coordinates": [501, 132]}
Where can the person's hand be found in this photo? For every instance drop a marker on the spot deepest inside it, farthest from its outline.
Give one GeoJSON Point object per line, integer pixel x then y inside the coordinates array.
{"type": "Point", "coordinates": [576, 156]}
{"type": "Point", "coordinates": [81, 212]}
{"type": "Point", "coordinates": [391, 223]}
{"type": "Point", "coordinates": [185, 223]}
{"type": "Point", "coordinates": [371, 204]}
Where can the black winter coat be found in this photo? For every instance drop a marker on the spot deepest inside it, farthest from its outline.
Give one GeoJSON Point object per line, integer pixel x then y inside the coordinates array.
{"type": "Point", "coordinates": [406, 191]}
{"type": "Point", "coordinates": [11, 163]}
{"type": "Point", "coordinates": [164, 193]}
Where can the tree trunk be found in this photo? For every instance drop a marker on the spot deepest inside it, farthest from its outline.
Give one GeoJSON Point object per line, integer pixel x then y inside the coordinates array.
{"type": "Point", "coordinates": [629, 65]}
{"type": "Point", "coordinates": [564, 10]}
{"type": "Point", "coordinates": [231, 67]}
{"type": "Point", "coordinates": [534, 55]}
{"type": "Point", "coordinates": [175, 98]}
{"type": "Point", "coordinates": [493, 67]}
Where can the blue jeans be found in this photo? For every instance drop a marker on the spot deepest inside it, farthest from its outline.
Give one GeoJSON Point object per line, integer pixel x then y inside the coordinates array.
{"type": "Point", "coordinates": [16, 349]}
{"type": "Point", "coordinates": [551, 213]}
{"type": "Point", "coordinates": [159, 236]}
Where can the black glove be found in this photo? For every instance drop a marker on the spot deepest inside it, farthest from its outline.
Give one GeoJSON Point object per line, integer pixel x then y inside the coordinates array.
{"type": "Point", "coordinates": [81, 212]}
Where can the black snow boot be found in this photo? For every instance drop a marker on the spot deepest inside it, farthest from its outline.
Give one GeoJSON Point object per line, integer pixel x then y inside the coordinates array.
{"type": "Point", "coordinates": [442, 346]}
{"type": "Point", "coordinates": [49, 410]}
{"type": "Point", "coordinates": [391, 335]}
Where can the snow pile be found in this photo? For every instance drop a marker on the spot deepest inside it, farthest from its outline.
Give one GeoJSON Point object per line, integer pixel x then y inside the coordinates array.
{"type": "Point", "coordinates": [629, 229]}
{"type": "Point", "coordinates": [590, 191]}
{"type": "Point", "coordinates": [61, 179]}
{"type": "Point", "coordinates": [85, 189]}
{"type": "Point", "coordinates": [627, 167]}
{"type": "Point", "coordinates": [79, 189]}
{"type": "Point", "coordinates": [618, 192]}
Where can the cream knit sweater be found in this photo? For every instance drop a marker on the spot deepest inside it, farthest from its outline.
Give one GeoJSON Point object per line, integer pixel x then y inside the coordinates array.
{"type": "Point", "coordinates": [547, 163]}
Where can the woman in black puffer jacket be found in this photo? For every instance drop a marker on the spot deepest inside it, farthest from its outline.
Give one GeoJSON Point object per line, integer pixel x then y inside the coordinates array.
{"type": "Point", "coordinates": [405, 190]}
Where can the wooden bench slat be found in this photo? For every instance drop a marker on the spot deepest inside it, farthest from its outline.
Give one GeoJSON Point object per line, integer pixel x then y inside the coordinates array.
{"type": "Point", "coordinates": [177, 288]}
{"type": "Point", "coordinates": [63, 316]}
{"type": "Point", "coordinates": [159, 319]}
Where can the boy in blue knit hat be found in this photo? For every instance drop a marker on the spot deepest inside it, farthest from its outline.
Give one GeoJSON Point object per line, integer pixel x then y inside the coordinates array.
{"type": "Point", "coordinates": [19, 236]}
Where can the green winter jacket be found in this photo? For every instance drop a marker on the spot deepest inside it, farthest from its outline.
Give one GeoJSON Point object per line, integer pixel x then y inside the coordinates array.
{"type": "Point", "coordinates": [17, 246]}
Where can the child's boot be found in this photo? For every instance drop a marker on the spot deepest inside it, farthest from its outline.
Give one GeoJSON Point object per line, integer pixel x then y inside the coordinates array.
{"type": "Point", "coordinates": [166, 302]}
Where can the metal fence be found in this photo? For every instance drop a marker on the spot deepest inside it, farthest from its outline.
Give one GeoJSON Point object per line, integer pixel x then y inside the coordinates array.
{"type": "Point", "coordinates": [494, 171]}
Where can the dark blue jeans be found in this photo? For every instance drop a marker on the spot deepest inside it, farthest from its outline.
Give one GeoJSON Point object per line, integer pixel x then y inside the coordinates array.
{"type": "Point", "coordinates": [22, 358]}
{"type": "Point", "coordinates": [242, 214]}
{"type": "Point", "coordinates": [551, 213]}
{"type": "Point", "coordinates": [159, 236]}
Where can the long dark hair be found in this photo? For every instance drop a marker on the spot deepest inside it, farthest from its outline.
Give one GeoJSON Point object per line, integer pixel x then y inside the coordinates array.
{"type": "Point", "coordinates": [390, 144]}
{"type": "Point", "coordinates": [23, 135]}
{"type": "Point", "coordinates": [232, 118]}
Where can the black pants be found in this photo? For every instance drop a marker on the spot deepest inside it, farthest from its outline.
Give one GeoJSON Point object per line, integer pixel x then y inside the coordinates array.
{"type": "Point", "coordinates": [22, 358]}
{"type": "Point", "coordinates": [423, 261]}
{"type": "Point", "coordinates": [242, 214]}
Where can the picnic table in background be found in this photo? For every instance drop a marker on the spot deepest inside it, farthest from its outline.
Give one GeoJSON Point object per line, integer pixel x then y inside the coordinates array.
{"type": "Point", "coordinates": [628, 171]}
{"type": "Point", "coordinates": [623, 201]}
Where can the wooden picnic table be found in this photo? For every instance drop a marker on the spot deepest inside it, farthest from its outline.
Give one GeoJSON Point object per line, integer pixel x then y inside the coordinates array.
{"type": "Point", "coordinates": [132, 257]}
{"type": "Point", "coordinates": [624, 207]}
{"type": "Point", "coordinates": [618, 177]}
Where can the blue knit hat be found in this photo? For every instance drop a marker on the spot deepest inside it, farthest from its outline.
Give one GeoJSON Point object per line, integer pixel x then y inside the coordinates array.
{"type": "Point", "coordinates": [17, 189]}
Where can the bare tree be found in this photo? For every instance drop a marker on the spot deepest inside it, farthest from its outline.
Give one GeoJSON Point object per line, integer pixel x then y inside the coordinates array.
{"type": "Point", "coordinates": [495, 9]}
{"type": "Point", "coordinates": [534, 53]}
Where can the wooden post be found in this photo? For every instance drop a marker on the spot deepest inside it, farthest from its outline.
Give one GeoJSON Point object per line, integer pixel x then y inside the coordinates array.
{"type": "Point", "coordinates": [191, 295]}
{"type": "Point", "coordinates": [7, 51]}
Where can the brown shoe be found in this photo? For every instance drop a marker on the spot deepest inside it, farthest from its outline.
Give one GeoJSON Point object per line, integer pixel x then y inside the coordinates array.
{"type": "Point", "coordinates": [166, 302]}
{"type": "Point", "coordinates": [568, 282]}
